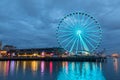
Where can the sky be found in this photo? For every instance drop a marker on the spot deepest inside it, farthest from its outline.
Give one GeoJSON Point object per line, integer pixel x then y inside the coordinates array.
{"type": "Point", "coordinates": [33, 23]}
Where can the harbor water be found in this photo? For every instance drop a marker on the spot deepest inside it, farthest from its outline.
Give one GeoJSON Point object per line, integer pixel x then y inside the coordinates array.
{"type": "Point", "coordinates": [60, 70]}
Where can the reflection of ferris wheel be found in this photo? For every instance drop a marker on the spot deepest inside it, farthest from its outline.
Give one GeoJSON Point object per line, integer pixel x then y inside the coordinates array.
{"type": "Point", "coordinates": [78, 33]}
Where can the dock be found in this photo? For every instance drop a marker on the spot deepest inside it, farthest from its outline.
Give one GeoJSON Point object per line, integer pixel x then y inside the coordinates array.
{"type": "Point", "coordinates": [75, 58]}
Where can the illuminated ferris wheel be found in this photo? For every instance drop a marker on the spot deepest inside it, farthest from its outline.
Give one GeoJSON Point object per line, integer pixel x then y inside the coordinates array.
{"type": "Point", "coordinates": [79, 33]}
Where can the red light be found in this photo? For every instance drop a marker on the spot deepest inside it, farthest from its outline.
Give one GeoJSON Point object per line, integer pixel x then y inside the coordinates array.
{"type": "Point", "coordinates": [51, 67]}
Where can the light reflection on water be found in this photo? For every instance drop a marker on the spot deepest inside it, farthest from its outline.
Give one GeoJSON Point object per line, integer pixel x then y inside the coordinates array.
{"type": "Point", "coordinates": [81, 71]}
{"type": "Point", "coordinates": [41, 70]}
{"type": "Point", "coordinates": [51, 67]}
{"type": "Point", "coordinates": [115, 63]}
{"type": "Point", "coordinates": [42, 66]}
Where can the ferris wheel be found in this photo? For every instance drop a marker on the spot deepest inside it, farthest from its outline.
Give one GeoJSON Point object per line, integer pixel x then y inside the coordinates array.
{"type": "Point", "coordinates": [79, 33]}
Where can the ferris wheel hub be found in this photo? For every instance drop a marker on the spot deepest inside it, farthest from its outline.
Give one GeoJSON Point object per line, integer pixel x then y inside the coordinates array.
{"type": "Point", "coordinates": [78, 32]}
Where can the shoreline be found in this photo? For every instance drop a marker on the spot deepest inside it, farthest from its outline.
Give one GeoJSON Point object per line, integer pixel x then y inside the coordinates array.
{"type": "Point", "coordinates": [78, 58]}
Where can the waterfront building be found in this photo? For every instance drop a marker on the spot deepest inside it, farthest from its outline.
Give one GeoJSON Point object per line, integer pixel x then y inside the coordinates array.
{"type": "Point", "coordinates": [3, 53]}
{"type": "Point", "coordinates": [115, 55]}
{"type": "Point", "coordinates": [38, 51]}
{"type": "Point", "coordinates": [8, 47]}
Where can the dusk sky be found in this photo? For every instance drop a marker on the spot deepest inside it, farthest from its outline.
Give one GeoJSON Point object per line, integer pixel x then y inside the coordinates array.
{"type": "Point", "coordinates": [33, 23]}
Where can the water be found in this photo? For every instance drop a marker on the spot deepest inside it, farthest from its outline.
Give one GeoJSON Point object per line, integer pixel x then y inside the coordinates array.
{"type": "Point", "coordinates": [41, 70]}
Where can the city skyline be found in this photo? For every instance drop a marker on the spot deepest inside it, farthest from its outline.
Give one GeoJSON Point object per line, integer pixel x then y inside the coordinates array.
{"type": "Point", "coordinates": [33, 24]}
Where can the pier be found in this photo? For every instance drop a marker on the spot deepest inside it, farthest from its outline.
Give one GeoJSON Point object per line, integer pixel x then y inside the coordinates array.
{"type": "Point", "coordinates": [75, 58]}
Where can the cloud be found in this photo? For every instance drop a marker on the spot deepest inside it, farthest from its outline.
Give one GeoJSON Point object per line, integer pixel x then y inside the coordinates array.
{"type": "Point", "coordinates": [33, 23]}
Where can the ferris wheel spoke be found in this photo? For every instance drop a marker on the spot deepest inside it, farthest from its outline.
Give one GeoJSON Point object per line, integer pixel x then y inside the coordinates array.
{"type": "Point", "coordinates": [68, 24]}
{"type": "Point", "coordinates": [90, 38]}
{"type": "Point", "coordinates": [66, 39]}
{"type": "Point", "coordinates": [77, 45]}
{"type": "Point", "coordinates": [88, 24]}
{"type": "Point", "coordinates": [93, 31]}
{"type": "Point", "coordinates": [89, 42]}
{"type": "Point", "coordinates": [65, 31]}
{"type": "Point", "coordinates": [83, 19]}
{"type": "Point", "coordinates": [67, 28]}
{"type": "Point", "coordinates": [86, 21]}
{"type": "Point", "coordinates": [81, 45]}
{"type": "Point", "coordinates": [92, 27]}
{"type": "Point", "coordinates": [74, 20]}
{"type": "Point", "coordinates": [65, 35]}
{"type": "Point", "coordinates": [69, 42]}
{"type": "Point", "coordinates": [73, 45]}
{"type": "Point", "coordinates": [93, 35]}
{"type": "Point", "coordinates": [85, 47]}
{"type": "Point", "coordinates": [78, 19]}
{"type": "Point", "coordinates": [71, 21]}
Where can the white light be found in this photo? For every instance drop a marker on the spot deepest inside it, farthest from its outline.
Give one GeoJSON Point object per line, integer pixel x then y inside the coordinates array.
{"type": "Point", "coordinates": [79, 32]}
